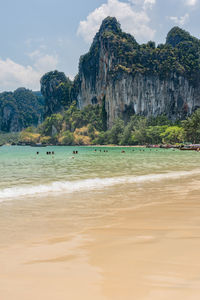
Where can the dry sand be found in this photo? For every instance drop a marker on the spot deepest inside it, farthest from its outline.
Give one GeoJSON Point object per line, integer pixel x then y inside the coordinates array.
{"type": "Point", "coordinates": [145, 253]}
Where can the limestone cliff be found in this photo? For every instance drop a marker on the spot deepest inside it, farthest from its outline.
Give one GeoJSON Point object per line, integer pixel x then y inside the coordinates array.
{"type": "Point", "coordinates": [140, 79]}
{"type": "Point", "coordinates": [56, 89]}
{"type": "Point", "coordinates": [20, 109]}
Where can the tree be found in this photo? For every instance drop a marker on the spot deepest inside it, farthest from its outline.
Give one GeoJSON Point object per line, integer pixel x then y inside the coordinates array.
{"type": "Point", "coordinates": [67, 138]}
{"type": "Point", "coordinates": [154, 134]}
{"type": "Point", "coordinates": [139, 135]}
{"type": "Point", "coordinates": [129, 129]}
{"type": "Point", "coordinates": [115, 134]}
{"type": "Point", "coordinates": [104, 115]}
{"type": "Point", "coordinates": [192, 127]}
{"type": "Point", "coordinates": [173, 135]}
{"type": "Point", "coordinates": [52, 125]}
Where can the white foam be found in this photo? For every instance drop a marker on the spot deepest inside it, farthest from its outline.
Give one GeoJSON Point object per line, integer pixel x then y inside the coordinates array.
{"type": "Point", "coordinates": [87, 184]}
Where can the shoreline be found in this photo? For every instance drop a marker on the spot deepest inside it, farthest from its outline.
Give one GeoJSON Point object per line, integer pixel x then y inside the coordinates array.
{"type": "Point", "coordinates": [162, 146]}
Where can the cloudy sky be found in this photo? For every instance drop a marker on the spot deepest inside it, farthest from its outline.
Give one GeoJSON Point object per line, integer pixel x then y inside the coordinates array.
{"type": "Point", "coordinates": [38, 36]}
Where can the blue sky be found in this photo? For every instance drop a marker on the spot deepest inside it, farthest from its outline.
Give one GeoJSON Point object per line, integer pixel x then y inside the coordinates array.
{"type": "Point", "coordinates": [38, 36]}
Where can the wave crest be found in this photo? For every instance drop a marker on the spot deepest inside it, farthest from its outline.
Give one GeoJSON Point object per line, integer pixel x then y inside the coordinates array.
{"type": "Point", "coordinates": [62, 187]}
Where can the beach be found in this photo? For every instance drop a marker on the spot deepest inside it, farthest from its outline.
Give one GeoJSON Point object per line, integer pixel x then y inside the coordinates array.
{"type": "Point", "coordinates": [101, 226]}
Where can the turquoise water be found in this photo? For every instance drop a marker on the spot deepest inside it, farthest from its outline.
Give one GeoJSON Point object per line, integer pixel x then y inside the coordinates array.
{"type": "Point", "coordinates": [24, 173]}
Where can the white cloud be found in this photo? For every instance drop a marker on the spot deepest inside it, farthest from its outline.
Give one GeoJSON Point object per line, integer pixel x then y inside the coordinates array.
{"type": "Point", "coordinates": [180, 20]}
{"type": "Point", "coordinates": [14, 75]}
{"type": "Point", "coordinates": [144, 3]}
{"type": "Point", "coordinates": [43, 62]}
{"type": "Point", "coordinates": [149, 3]}
{"type": "Point", "coordinates": [46, 62]}
{"type": "Point", "coordinates": [133, 21]}
{"type": "Point", "coordinates": [34, 54]}
{"type": "Point", "coordinates": [191, 2]}
{"type": "Point", "coordinates": [31, 42]}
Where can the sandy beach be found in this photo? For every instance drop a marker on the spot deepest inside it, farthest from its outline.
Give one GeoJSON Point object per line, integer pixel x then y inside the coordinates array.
{"type": "Point", "coordinates": [144, 251]}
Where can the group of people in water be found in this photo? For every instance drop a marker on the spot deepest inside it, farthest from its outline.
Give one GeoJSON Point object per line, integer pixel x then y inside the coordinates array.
{"type": "Point", "coordinates": [100, 150]}
{"type": "Point", "coordinates": [52, 152]}
{"type": "Point", "coordinates": [47, 153]}
{"type": "Point", "coordinates": [76, 152]}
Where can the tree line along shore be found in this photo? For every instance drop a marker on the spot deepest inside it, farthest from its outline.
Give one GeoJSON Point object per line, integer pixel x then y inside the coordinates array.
{"type": "Point", "coordinates": [88, 127]}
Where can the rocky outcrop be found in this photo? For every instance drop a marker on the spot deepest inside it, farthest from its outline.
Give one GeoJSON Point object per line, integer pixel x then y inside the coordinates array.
{"type": "Point", "coordinates": [10, 119]}
{"type": "Point", "coordinates": [20, 109]}
{"type": "Point", "coordinates": [56, 90]}
{"type": "Point", "coordinates": [143, 80]}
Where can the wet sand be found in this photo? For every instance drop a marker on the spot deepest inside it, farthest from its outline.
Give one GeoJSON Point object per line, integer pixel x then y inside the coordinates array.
{"type": "Point", "coordinates": [144, 252]}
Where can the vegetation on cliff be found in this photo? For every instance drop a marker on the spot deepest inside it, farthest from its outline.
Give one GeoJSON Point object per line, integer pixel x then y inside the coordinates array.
{"type": "Point", "coordinates": [57, 90]}
{"type": "Point", "coordinates": [20, 109]}
{"type": "Point", "coordinates": [180, 54]}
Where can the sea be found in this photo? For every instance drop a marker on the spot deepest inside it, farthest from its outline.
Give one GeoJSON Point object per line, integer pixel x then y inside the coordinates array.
{"type": "Point", "coordinates": [31, 172]}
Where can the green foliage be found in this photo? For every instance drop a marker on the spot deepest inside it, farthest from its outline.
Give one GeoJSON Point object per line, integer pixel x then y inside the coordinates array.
{"type": "Point", "coordinates": [9, 138]}
{"type": "Point", "coordinates": [173, 135]}
{"type": "Point", "coordinates": [20, 109]}
{"type": "Point", "coordinates": [102, 138]}
{"type": "Point", "coordinates": [85, 127]}
{"type": "Point", "coordinates": [116, 132]}
{"type": "Point", "coordinates": [133, 124]}
{"type": "Point", "coordinates": [52, 125]}
{"type": "Point", "coordinates": [103, 116]}
{"type": "Point", "coordinates": [67, 138]}
{"type": "Point", "coordinates": [76, 128]}
{"type": "Point", "coordinates": [29, 137]}
{"type": "Point", "coordinates": [154, 134]}
{"type": "Point", "coordinates": [139, 135]}
{"type": "Point", "coordinates": [30, 106]}
{"type": "Point", "coordinates": [177, 35]}
{"type": "Point", "coordinates": [192, 127]}
{"type": "Point", "coordinates": [91, 114]}
{"type": "Point", "coordinates": [56, 89]}
{"type": "Point", "coordinates": [180, 55]}
{"type": "Point", "coordinates": [158, 121]}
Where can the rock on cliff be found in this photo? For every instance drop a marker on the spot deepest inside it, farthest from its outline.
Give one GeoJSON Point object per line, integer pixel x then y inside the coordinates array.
{"type": "Point", "coordinates": [140, 79]}
{"type": "Point", "coordinates": [9, 114]}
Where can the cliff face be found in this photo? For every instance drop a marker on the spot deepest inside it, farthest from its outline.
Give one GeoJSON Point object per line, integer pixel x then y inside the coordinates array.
{"type": "Point", "coordinates": [150, 96]}
{"type": "Point", "coordinates": [144, 80]}
{"type": "Point", "coordinates": [10, 119]}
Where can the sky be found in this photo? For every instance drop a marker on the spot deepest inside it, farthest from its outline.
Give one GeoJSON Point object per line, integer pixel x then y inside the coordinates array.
{"type": "Point", "coordinates": [38, 36]}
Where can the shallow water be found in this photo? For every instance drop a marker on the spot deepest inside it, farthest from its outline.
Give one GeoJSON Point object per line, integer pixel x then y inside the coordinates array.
{"type": "Point", "coordinates": [24, 173]}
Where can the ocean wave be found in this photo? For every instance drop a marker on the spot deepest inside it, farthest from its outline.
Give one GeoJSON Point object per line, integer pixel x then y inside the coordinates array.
{"type": "Point", "coordinates": [87, 184]}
